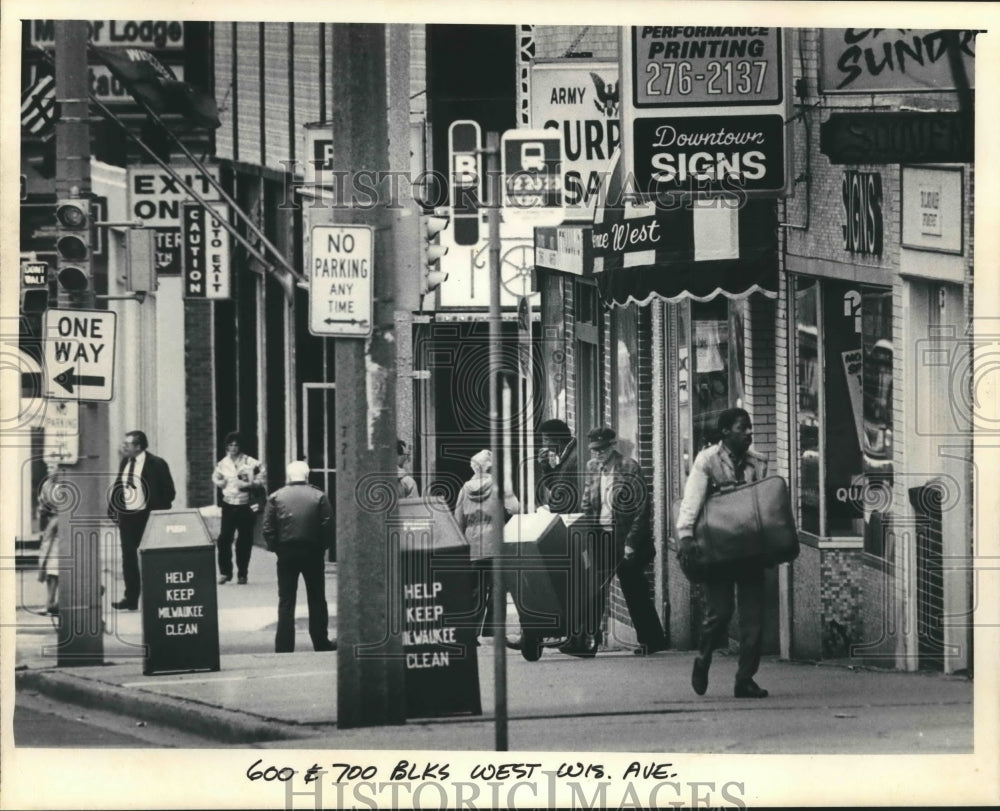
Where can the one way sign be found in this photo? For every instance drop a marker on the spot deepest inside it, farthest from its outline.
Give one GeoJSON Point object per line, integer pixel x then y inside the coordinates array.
{"type": "Point", "coordinates": [80, 354]}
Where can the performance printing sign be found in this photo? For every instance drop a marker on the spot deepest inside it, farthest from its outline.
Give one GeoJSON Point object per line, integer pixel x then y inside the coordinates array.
{"type": "Point", "coordinates": [206, 251]}
{"type": "Point", "coordinates": [892, 60]}
{"type": "Point", "coordinates": [155, 198]}
{"type": "Point", "coordinates": [80, 354]}
{"type": "Point", "coordinates": [580, 99]}
{"type": "Point", "coordinates": [158, 34]}
{"type": "Point", "coordinates": [705, 107]}
{"type": "Point", "coordinates": [340, 280]}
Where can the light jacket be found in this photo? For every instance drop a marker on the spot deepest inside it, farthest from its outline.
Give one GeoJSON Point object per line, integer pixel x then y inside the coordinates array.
{"type": "Point", "coordinates": [473, 514]}
{"type": "Point", "coordinates": [227, 475]}
{"type": "Point", "coordinates": [714, 468]}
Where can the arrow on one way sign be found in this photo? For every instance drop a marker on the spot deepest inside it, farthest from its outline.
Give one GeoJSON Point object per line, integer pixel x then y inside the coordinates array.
{"type": "Point", "coordinates": [69, 378]}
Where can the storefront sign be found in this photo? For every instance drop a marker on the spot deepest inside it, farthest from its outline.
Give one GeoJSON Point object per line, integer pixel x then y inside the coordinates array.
{"type": "Point", "coordinates": [318, 151]}
{"type": "Point", "coordinates": [709, 152]}
{"type": "Point", "coordinates": [932, 209]}
{"type": "Point", "coordinates": [581, 100]}
{"type": "Point", "coordinates": [158, 34]}
{"type": "Point", "coordinates": [206, 251]}
{"type": "Point", "coordinates": [107, 88]}
{"type": "Point", "coordinates": [341, 279]}
{"type": "Point", "coordinates": [531, 170]}
{"type": "Point", "coordinates": [891, 60]}
{"type": "Point", "coordinates": [897, 138]}
{"type": "Point", "coordinates": [567, 249]}
{"type": "Point", "coordinates": [704, 110]}
{"type": "Point", "coordinates": [155, 198]}
{"type": "Point", "coordinates": [862, 197]}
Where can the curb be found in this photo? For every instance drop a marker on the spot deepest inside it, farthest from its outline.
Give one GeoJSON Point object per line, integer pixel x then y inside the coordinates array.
{"type": "Point", "coordinates": [209, 722]}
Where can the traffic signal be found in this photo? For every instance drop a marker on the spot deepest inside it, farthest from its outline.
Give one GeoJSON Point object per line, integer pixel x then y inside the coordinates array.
{"type": "Point", "coordinates": [433, 251]}
{"type": "Point", "coordinates": [73, 273]}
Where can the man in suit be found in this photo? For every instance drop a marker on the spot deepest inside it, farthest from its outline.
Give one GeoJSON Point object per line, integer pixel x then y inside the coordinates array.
{"type": "Point", "coordinates": [730, 462]}
{"type": "Point", "coordinates": [617, 497]}
{"type": "Point", "coordinates": [143, 484]}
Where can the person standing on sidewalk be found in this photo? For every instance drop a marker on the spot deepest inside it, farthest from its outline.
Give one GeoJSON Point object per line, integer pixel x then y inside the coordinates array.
{"type": "Point", "coordinates": [407, 484]}
{"type": "Point", "coordinates": [729, 462]}
{"type": "Point", "coordinates": [299, 529]}
{"type": "Point", "coordinates": [560, 487]}
{"type": "Point", "coordinates": [238, 475]}
{"type": "Point", "coordinates": [143, 484]}
{"type": "Point", "coordinates": [617, 496]}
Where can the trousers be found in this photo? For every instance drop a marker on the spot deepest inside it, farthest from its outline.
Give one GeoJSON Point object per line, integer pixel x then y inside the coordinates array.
{"type": "Point", "coordinates": [749, 589]}
{"type": "Point", "coordinates": [309, 563]}
{"type": "Point", "coordinates": [238, 520]}
{"type": "Point", "coordinates": [130, 529]}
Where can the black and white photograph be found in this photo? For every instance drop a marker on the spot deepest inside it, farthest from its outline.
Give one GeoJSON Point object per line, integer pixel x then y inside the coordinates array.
{"type": "Point", "coordinates": [559, 405]}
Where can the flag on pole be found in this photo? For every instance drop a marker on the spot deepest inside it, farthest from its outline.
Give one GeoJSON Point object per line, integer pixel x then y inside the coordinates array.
{"type": "Point", "coordinates": [38, 105]}
{"type": "Point", "coordinates": [152, 82]}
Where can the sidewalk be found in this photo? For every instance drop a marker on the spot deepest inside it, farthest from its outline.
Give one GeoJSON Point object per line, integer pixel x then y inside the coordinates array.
{"type": "Point", "coordinates": [614, 702]}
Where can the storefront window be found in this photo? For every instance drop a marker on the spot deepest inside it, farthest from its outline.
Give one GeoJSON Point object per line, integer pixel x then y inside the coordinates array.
{"type": "Point", "coordinates": [714, 369]}
{"type": "Point", "coordinates": [626, 332]}
{"type": "Point", "coordinates": [843, 352]}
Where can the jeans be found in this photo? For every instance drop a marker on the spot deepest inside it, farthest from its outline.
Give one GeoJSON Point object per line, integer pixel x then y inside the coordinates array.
{"type": "Point", "coordinates": [309, 563]}
{"type": "Point", "coordinates": [239, 519]}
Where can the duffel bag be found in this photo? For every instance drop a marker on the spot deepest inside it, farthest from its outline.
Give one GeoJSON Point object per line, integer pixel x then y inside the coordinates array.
{"type": "Point", "coordinates": [744, 525]}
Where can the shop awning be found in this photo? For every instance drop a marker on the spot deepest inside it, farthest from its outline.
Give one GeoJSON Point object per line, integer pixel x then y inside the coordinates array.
{"type": "Point", "coordinates": [685, 250]}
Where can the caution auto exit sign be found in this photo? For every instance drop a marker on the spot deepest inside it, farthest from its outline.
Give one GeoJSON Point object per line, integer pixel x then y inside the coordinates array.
{"type": "Point", "coordinates": [80, 354]}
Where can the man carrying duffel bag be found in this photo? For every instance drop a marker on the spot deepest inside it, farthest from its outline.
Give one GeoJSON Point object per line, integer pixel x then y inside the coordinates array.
{"type": "Point", "coordinates": [728, 463]}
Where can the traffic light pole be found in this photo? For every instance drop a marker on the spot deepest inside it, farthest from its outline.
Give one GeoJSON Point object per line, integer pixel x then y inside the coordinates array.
{"type": "Point", "coordinates": [496, 443]}
{"type": "Point", "coordinates": [80, 637]}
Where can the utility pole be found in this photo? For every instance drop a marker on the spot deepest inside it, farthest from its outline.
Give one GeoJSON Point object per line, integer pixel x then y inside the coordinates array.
{"type": "Point", "coordinates": [80, 634]}
{"type": "Point", "coordinates": [370, 677]}
{"type": "Point", "coordinates": [493, 198]}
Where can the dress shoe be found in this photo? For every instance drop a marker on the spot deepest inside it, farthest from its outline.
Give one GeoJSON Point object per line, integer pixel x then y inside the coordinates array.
{"type": "Point", "coordinates": [749, 689]}
{"type": "Point", "coordinates": [125, 605]}
{"type": "Point", "coordinates": [225, 579]}
{"type": "Point", "coordinates": [699, 676]}
{"type": "Point", "coordinates": [241, 581]}
{"type": "Point", "coordinates": [330, 644]}
{"type": "Point", "coordinates": [584, 646]}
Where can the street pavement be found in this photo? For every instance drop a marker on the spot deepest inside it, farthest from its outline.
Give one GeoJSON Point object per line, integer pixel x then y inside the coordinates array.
{"type": "Point", "coordinates": [614, 702]}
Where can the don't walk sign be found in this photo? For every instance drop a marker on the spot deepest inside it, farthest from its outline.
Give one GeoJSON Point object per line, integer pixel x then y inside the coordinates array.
{"type": "Point", "coordinates": [80, 354]}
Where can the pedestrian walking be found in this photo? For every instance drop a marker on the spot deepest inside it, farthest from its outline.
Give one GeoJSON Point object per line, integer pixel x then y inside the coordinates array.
{"type": "Point", "coordinates": [240, 477]}
{"type": "Point", "coordinates": [617, 497]}
{"type": "Point", "coordinates": [143, 484]}
{"type": "Point", "coordinates": [727, 463]}
{"type": "Point", "coordinates": [407, 484]}
{"type": "Point", "coordinates": [559, 487]}
{"type": "Point", "coordinates": [475, 504]}
{"type": "Point", "coordinates": [298, 528]}
{"type": "Point", "coordinates": [48, 553]}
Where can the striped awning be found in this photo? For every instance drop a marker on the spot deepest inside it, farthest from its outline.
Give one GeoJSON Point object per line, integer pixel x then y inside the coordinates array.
{"type": "Point", "coordinates": [690, 249]}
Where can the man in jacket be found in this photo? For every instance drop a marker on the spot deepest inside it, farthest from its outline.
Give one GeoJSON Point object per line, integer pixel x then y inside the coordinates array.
{"type": "Point", "coordinates": [298, 528]}
{"type": "Point", "coordinates": [559, 485]}
{"type": "Point", "coordinates": [143, 484]}
{"type": "Point", "coordinates": [617, 497]}
{"type": "Point", "coordinates": [729, 462]}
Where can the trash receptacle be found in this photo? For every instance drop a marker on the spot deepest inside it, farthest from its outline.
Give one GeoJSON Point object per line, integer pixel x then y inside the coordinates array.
{"type": "Point", "coordinates": [439, 587]}
{"type": "Point", "coordinates": [180, 617]}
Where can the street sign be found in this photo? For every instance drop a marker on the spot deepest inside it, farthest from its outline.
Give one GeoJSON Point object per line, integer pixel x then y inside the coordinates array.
{"type": "Point", "coordinates": [531, 167]}
{"type": "Point", "coordinates": [34, 274]}
{"type": "Point", "coordinates": [340, 280]}
{"type": "Point", "coordinates": [704, 110]}
{"type": "Point", "coordinates": [61, 424]}
{"type": "Point", "coordinates": [465, 165]}
{"type": "Point", "coordinates": [206, 251]}
{"type": "Point", "coordinates": [80, 354]}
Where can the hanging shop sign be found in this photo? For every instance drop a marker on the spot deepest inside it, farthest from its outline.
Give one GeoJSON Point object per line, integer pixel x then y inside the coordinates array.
{"type": "Point", "coordinates": [566, 248]}
{"type": "Point", "coordinates": [863, 228]}
{"type": "Point", "coordinates": [581, 100]}
{"type": "Point", "coordinates": [893, 60]}
{"type": "Point", "coordinates": [155, 198]}
{"type": "Point", "coordinates": [206, 251]}
{"type": "Point", "coordinates": [318, 150]}
{"type": "Point", "coordinates": [898, 138]}
{"type": "Point", "coordinates": [340, 280]}
{"type": "Point", "coordinates": [531, 169]}
{"type": "Point", "coordinates": [704, 110]}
